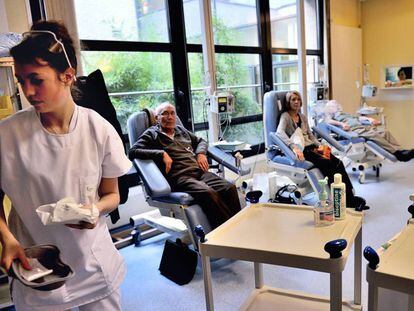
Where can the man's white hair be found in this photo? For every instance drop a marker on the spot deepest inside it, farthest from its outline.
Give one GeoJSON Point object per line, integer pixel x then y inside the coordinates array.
{"type": "Point", "coordinates": [332, 107]}
{"type": "Point", "coordinates": [162, 106]}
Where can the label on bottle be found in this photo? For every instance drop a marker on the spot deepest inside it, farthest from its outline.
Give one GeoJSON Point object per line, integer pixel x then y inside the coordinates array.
{"type": "Point", "coordinates": [338, 201]}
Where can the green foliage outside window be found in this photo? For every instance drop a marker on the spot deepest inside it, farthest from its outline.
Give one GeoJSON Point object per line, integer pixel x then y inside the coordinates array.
{"type": "Point", "coordinates": [129, 72]}
{"type": "Point", "coordinates": [151, 71]}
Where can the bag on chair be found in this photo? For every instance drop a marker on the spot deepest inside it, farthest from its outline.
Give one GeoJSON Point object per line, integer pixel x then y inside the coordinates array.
{"type": "Point", "coordinates": [178, 262]}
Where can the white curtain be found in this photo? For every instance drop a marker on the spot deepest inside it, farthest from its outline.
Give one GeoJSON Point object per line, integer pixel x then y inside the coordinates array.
{"type": "Point", "coordinates": [64, 10]}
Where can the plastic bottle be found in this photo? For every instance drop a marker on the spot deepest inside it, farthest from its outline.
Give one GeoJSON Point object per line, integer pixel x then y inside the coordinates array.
{"type": "Point", "coordinates": [338, 194]}
{"type": "Point", "coordinates": [323, 211]}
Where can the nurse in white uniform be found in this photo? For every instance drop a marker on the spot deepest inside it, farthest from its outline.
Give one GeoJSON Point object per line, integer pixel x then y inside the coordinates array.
{"type": "Point", "coordinates": [52, 150]}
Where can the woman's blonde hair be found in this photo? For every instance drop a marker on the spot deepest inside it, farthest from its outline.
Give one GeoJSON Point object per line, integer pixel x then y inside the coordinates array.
{"type": "Point", "coordinates": [286, 106]}
{"type": "Point", "coordinates": [289, 95]}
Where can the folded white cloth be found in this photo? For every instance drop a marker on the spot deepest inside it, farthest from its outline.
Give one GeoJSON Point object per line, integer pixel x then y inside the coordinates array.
{"type": "Point", "coordinates": [38, 270]}
{"type": "Point", "coordinates": [298, 139]}
{"type": "Point", "coordinates": [66, 211]}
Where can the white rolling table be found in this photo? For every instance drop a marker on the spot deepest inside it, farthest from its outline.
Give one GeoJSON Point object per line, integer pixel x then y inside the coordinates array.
{"type": "Point", "coordinates": [395, 270]}
{"type": "Point", "coordinates": [285, 235]}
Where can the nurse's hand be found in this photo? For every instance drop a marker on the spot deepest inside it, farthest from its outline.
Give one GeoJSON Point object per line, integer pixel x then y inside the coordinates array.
{"type": "Point", "coordinates": [13, 250]}
{"type": "Point", "coordinates": [85, 224]}
{"type": "Point", "coordinates": [82, 225]}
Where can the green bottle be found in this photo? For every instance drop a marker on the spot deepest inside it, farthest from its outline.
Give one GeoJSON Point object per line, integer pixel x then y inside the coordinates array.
{"type": "Point", "coordinates": [323, 211]}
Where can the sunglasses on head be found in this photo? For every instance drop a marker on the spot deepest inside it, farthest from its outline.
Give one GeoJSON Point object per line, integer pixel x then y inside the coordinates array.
{"type": "Point", "coordinates": [55, 48]}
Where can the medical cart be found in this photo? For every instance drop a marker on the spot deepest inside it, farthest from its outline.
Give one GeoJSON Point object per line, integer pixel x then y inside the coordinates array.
{"type": "Point", "coordinates": [285, 235]}
{"type": "Point", "coordinates": [392, 268]}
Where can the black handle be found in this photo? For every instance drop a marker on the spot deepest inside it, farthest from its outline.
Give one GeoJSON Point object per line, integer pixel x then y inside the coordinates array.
{"type": "Point", "coordinates": [253, 196]}
{"type": "Point", "coordinates": [267, 87]}
{"type": "Point", "coordinates": [180, 94]}
{"type": "Point", "coordinates": [371, 255]}
{"type": "Point", "coordinates": [335, 247]}
{"type": "Point", "coordinates": [199, 230]}
{"type": "Point", "coordinates": [411, 210]}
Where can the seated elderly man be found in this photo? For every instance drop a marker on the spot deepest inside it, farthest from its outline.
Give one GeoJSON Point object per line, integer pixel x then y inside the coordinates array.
{"type": "Point", "coordinates": [181, 156]}
{"type": "Point", "coordinates": [367, 128]}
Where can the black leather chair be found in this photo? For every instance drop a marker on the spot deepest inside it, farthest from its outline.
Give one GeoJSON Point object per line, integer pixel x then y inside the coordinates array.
{"type": "Point", "coordinates": [177, 205]}
{"type": "Point", "coordinates": [90, 92]}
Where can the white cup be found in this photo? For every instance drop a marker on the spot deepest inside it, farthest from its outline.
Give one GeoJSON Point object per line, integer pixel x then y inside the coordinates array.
{"type": "Point", "coordinates": [261, 182]}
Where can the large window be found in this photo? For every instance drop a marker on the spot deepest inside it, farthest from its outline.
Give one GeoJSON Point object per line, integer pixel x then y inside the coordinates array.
{"type": "Point", "coordinates": [235, 22]}
{"type": "Point", "coordinates": [284, 35]}
{"type": "Point", "coordinates": [285, 71]}
{"type": "Point", "coordinates": [123, 20]}
{"type": "Point", "coordinates": [240, 74]}
{"type": "Point", "coordinates": [150, 51]}
{"type": "Point", "coordinates": [131, 43]}
{"type": "Point", "coordinates": [135, 80]}
{"type": "Point", "coordinates": [284, 26]}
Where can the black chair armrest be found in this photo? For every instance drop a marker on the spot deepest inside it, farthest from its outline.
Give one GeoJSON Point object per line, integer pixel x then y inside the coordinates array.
{"type": "Point", "coordinates": [154, 181]}
{"type": "Point", "coordinates": [227, 160]}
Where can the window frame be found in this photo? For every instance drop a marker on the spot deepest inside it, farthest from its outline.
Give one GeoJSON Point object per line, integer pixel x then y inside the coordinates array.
{"type": "Point", "coordinates": [178, 49]}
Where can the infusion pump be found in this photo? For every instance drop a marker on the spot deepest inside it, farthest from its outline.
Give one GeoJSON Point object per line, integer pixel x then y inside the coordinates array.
{"type": "Point", "coordinates": [222, 102]}
{"type": "Point", "coordinates": [369, 90]}
{"type": "Point", "coordinates": [318, 92]}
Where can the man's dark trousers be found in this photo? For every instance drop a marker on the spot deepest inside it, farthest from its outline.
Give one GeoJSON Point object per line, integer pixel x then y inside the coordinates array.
{"type": "Point", "coordinates": [217, 197]}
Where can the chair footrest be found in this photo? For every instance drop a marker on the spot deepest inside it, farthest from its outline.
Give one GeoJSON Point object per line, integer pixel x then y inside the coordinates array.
{"type": "Point", "coordinates": [165, 224]}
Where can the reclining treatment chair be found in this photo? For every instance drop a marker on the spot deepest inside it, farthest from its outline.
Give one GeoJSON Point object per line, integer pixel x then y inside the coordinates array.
{"type": "Point", "coordinates": [282, 158]}
{"type": "Point", "coordinates": [353, 150]}
{"type": "Point", "coordinates": [178, 213]}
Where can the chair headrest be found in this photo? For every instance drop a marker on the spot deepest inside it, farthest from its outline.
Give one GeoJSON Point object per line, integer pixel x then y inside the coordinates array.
{"type": "Point", "coordinates": [279, 104]}
{"type": "Point", "coordinates": [281, 99]}
{"type": "Point", "coordinates": [151, 116]}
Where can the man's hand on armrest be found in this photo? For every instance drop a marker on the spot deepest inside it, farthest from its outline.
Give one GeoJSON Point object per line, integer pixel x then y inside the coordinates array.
{"type": "Point", "coordinates": [369, 121]}
{"type": "Point", "coordinates": [342, 125]}
{"type": "Point", "coordinates": [202, 161]}
{"type": "Point", "coordinates": [167, 161]}
{"type": "Point", "coordinates": [345, 126]}
{"type": "Point", "coordinates": [374, 121]}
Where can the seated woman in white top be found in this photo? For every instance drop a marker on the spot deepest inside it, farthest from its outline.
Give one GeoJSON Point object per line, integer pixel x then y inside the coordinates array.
{"type": "Point", "coordinates": [291, 119]}
{"type": "Point", "coordinates": [52, 150]}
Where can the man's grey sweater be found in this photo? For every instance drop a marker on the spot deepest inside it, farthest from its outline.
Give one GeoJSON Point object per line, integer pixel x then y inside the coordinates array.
{"type": "Point", "coordinates": [182, 148]}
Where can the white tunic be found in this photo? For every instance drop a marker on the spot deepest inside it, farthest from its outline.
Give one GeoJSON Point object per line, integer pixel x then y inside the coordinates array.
{"type": "Point", "coordinates": [36, 168]}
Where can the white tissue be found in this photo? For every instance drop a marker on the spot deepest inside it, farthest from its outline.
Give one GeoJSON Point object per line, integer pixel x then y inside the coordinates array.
{"type": "Point", "coordinates": [66, 211]}
{"type": "Point", "coordinates": [38, 270]}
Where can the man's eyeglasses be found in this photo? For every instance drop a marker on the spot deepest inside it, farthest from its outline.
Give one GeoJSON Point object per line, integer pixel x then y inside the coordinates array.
{"type": "Point", "coordinates": [55, 48]}
{"type": "Point", "coordinates": [166, 114]}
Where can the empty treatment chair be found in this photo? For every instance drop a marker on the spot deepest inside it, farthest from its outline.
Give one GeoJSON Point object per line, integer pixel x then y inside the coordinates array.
{"type": "Point", "coordinates": [280, 157]}
{"type": "Point", "coordinates": [177, 212]}
{"type": "Point", "coordinates": [355, 151]}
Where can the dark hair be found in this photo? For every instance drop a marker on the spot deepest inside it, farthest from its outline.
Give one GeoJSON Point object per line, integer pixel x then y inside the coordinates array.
{"type": "Point", "coordinates": [400, 70]}
{"type": "Point", "coordinates": [39, 47]}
